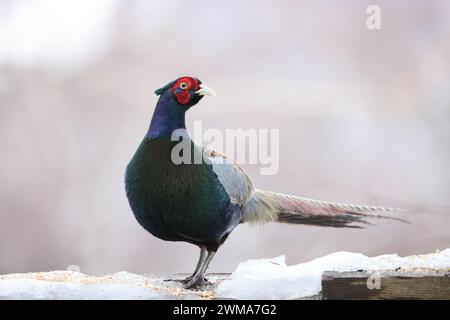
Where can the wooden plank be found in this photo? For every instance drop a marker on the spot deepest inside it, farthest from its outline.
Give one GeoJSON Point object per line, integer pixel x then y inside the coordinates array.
{"type": "Point", "coordinates": [386, 285]}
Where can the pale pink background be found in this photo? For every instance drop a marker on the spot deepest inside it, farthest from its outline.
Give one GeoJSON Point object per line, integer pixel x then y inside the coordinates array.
{"type": "Point", "coordinates": [363, 117]}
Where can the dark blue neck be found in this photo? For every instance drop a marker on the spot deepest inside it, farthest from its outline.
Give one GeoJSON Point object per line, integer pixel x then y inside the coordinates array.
{"type": "Point", "coordinates": [168, 116]}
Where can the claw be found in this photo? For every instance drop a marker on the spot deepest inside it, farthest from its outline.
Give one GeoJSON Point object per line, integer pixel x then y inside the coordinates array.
{"type": "Point", "coordinates": [185, 280]}
{"type": "Point", "coordinates": [179, 280]}
{"type": "Point", "coordinates": [196, 283]}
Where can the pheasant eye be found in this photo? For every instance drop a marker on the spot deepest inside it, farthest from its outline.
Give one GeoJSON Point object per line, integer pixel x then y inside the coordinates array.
{"type": "Point", "coordinates": [183, 85]}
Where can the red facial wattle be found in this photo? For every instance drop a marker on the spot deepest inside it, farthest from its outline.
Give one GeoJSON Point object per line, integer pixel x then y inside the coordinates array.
{"type": "Point", "coordinates": [181, 89]}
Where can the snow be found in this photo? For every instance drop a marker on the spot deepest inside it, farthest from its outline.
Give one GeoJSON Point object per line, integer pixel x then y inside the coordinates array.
{"type": "Point", "coordinates": [75, 285]}
{"type": "Point", "coordinates": [273, 279]}
{"type": "Point", "coordinates": [253, 279]}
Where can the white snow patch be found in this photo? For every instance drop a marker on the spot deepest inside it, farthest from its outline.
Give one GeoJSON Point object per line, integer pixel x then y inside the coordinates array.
{"type": "Point", "coordinates": [273, 279]}
{"type": "Point", "coordinates": [75, 285]}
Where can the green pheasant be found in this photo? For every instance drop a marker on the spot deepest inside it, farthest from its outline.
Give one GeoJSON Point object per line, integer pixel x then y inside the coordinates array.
{"type": "Point", "coordinates": [202, 202]}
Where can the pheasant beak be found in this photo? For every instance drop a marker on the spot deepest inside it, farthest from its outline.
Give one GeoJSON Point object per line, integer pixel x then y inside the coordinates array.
{"type": "Point", "coordinates": [205, 91]}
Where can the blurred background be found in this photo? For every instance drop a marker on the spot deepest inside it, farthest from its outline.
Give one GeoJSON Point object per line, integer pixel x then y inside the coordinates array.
{"type": "Point", "coordinates": [363, 118]}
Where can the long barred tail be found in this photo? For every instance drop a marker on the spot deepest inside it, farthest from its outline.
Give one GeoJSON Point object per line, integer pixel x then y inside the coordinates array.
{"type": "Point", "coordinates": [266, 206]}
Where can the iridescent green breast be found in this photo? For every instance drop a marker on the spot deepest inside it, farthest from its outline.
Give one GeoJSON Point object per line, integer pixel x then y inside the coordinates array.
{"type": "Point", "coordinates": [184, 202]}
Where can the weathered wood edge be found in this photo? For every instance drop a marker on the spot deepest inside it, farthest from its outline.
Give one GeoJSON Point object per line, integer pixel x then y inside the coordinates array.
{"type": "Point", "coordinates": [388, 284]}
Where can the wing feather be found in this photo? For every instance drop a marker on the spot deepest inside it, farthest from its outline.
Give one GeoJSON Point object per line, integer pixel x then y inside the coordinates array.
{"type": "Point", "coordinates": [236, 182]}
